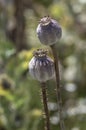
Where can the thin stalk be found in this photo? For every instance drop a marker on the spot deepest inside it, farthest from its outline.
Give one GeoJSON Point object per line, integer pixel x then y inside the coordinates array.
{"type": "Point", "coordinates": [46, 112]}
{"type": "Point", "coordinates": [58, 90]}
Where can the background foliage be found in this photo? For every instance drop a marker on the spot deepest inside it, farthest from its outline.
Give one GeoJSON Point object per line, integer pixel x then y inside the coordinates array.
{"type": "Point", "coordinates": [20, 100]}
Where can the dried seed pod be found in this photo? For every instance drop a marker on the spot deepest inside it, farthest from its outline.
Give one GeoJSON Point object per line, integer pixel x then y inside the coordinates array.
{"type": "Point", "coordinates": [41, 67]}
{"type": "Point", "coordinates": [49, 31]}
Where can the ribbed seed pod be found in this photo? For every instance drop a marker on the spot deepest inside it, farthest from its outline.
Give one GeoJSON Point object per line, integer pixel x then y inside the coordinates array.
{"type": "Point", "coordinates": [48, 31]}
{"type": "Point", "coordinates": [41, 67]}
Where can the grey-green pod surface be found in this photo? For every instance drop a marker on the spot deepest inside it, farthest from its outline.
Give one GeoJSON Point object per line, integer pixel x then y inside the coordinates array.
{"type": "Point", "coordinates": [41, 67]}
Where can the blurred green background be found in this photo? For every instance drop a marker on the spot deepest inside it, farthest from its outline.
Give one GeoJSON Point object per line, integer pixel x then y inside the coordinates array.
{"type": "Point", "coordinates": [20, 100]}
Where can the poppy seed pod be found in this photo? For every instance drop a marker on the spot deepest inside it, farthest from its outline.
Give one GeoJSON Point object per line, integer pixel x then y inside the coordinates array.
{"type": "Point", "coordinates": [49, 31]}
{"type": "Point", "coordinates": [41, 67]}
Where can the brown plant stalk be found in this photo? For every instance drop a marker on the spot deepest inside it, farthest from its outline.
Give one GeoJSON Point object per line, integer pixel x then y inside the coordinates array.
{"type": "Point", "coordinates": [58, 89]}
{"type": "Point", "coordinates": [46, 112]}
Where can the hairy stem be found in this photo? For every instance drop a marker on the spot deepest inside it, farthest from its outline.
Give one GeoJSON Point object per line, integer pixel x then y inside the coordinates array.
{"type": "Point", "coordinates": [46, 112]}
{"type": "Point", "coordinates": [58, 91]}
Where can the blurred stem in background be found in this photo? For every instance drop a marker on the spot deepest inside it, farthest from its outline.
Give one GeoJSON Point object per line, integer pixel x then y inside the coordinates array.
{"type": "Point", "coordinates": [20, 40]}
